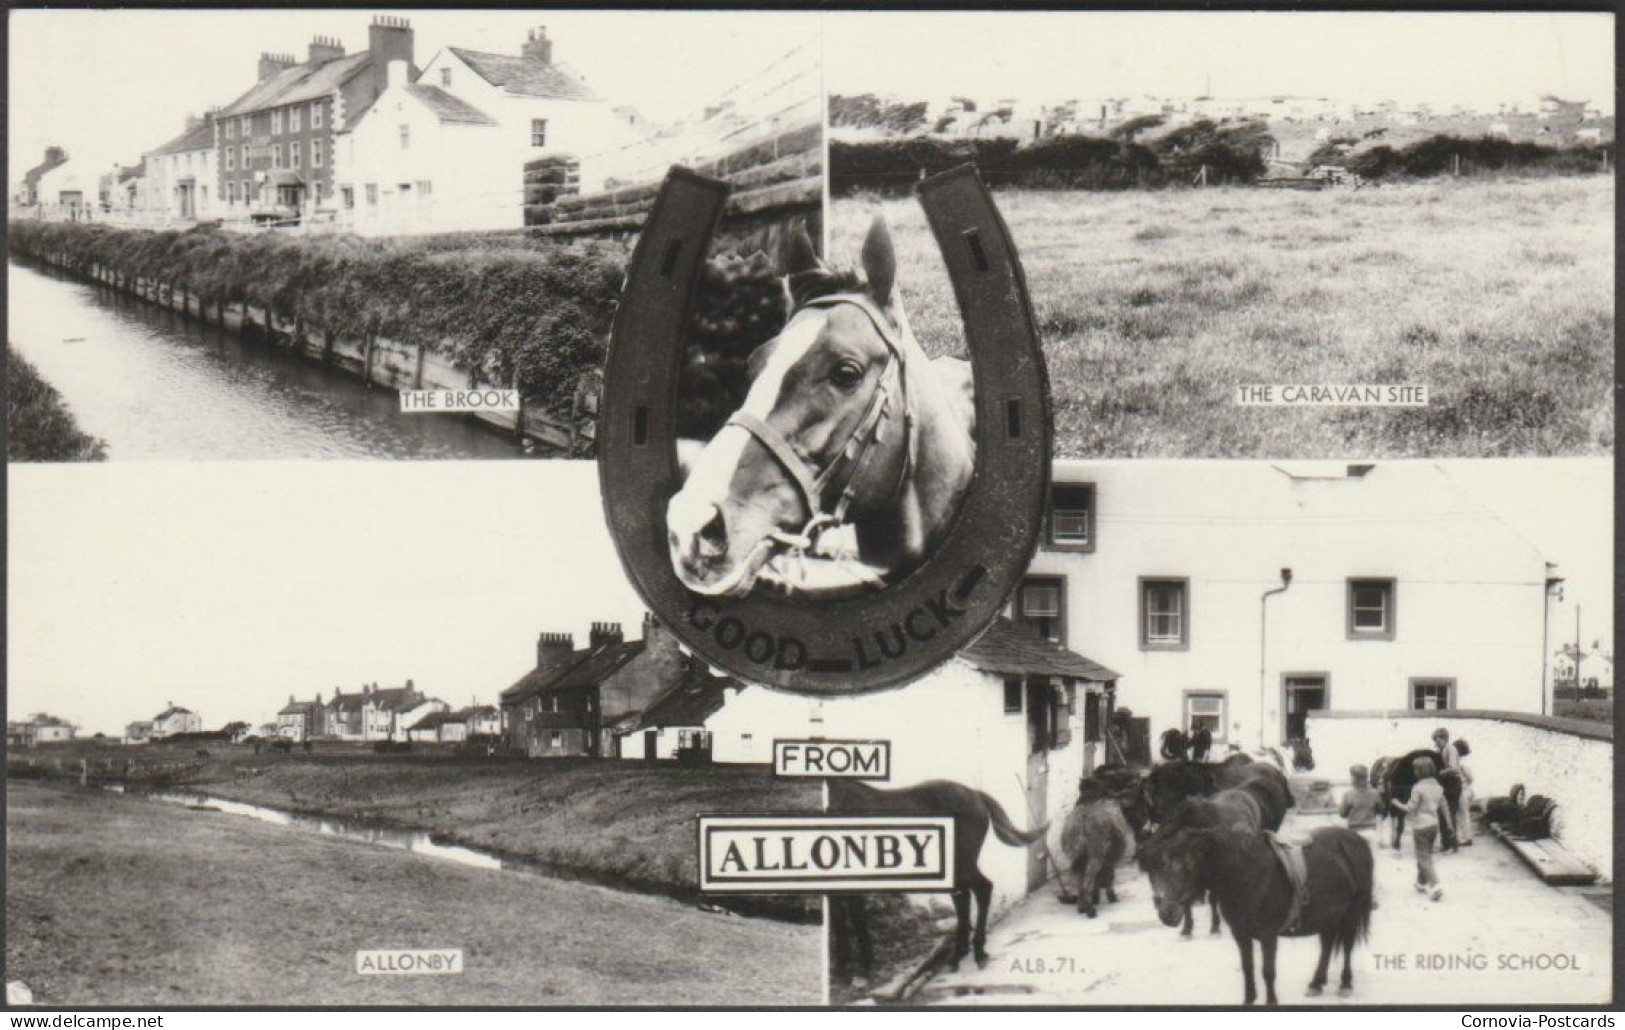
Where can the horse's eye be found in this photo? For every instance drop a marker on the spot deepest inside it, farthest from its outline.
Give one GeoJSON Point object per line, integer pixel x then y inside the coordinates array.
{"type": "Point", "coordinates": [847, 374]}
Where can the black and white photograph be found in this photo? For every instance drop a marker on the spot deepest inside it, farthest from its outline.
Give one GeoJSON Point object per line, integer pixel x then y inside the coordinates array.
{"type": "Point", "coordinates": [1402, 224]}
{"type": "Point", "coordinates": [1073, 509]}
{"type": "Point", "coordinates": [348, 234]}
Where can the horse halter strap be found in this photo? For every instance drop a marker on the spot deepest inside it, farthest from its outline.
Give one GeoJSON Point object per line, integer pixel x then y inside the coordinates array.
{"type": "Point", "coordinates": [854, 454]}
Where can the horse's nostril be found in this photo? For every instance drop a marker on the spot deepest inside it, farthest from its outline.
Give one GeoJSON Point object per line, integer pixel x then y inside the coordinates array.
{"type": "Point", "coordinates": [712, 539]}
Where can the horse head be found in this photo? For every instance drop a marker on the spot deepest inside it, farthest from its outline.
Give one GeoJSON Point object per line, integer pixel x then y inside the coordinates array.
{"type": "Point", "coordinates": [844, 422]}
{"type": "Point", "coordinates": [1176, 864]}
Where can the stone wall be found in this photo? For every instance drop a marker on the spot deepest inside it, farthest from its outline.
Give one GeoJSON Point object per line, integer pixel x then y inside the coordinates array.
{"type": "Point", "coordinates": [1568, 760]}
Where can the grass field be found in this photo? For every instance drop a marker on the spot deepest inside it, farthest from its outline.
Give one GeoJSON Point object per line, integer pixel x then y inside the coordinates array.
{"type": "Point", "coordinates": [1497, 294]}
{"type": "Point", "coordinates": [125, 901]}
{"type": "Point", "coordinates": [39, 426]}
{"type": "Point", "coordinates": [624, 823]}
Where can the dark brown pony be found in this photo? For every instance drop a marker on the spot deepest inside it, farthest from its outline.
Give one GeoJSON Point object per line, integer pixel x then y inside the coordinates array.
{"type": "Point", "coordinates": [1393, 778]}
{"type": "Point", "coordinates": [1232, 809]}
{"type": "Point", "coordinates": [973, 813]}
{"type": "Point", "coordinates": [1242, 871]}
{"type": "Point", "coordinates": [1094, 839]}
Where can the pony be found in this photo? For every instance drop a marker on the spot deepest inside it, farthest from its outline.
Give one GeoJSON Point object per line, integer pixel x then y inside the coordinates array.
{"type": "Point", "coordinates": [1125, 785]}
{"type": "Point", "coordinates": [1240, 868]}
{"type": "Point", "coordinates": [846, 423]}
{"type": "Point", "coordinates": [1393, 778]}
{"type": "Point", "coordinates": [1233, 808]}
{"type": "Point", "coordinates": [1169, 784]}
{"type": "Point", "coordinates": [973, 813]}
{"type": "Point", "coordinates": [1094, 838]}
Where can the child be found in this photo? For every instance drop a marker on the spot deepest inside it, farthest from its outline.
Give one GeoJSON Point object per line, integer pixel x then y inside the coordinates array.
{"type": "Point", "coordinates": [1360, 803]}
{"type": "Point", "coordinates": [1428, 811]}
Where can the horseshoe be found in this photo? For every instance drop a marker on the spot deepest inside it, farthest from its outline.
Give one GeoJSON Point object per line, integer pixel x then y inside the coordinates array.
{"type": "Point", "coordinates": [832, 647]}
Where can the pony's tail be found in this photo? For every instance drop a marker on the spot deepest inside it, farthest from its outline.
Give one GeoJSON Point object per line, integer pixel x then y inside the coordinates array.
{"type": "Point", "coordinates": [1006, 830]}
{"type": "Point", "coordinates": [1356, 925]}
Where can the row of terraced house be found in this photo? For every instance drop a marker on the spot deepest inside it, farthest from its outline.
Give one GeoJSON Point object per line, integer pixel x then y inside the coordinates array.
{"type": "Point", "coordinates": [373, 141]}
{"type": "Point", "coordinates": [376, 713]}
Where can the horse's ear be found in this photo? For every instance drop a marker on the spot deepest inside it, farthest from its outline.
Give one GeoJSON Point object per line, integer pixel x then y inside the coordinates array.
{"type": "Point", "coordinates": [801, 256]}
{"type": "Point", "coordinates": [879, 261]}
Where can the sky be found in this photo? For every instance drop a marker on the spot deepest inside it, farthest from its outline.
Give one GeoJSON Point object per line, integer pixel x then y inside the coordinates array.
{"type": "Point", "coordinates": [224, 586]}
{"type": "Point", "coordinates": [110, 85]}
{"type": "Point", "coordinates": [1476, 59]}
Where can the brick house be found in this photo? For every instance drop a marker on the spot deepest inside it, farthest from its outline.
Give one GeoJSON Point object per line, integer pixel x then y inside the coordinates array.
{"type": "Point", "coordinates": [377, 713]}
{"type": "Point", "coordinates": [301, 720]}
{"type": "Point", "coordinates": [275, 142]}
{"type": "Point", "coordinates": [574, 700]}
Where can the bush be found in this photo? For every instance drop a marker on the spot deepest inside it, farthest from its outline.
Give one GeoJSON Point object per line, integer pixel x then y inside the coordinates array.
{"type": "Point", "coordinates": [1437, 155]}
{"type": "Point", "coordinates": [1232, 153]}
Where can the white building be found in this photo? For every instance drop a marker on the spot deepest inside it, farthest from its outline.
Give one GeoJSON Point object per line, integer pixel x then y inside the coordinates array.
{"type": "Point", "coordinates": [69, 186]}
{"type": "Point", "coordinates": [175, 719]}
{"type": "Point", "coordinates": [180, 174]}
{"type": "Point", "coordinates": [447, 151]}
{"type": "Point", "coordinates": [1405, 592]}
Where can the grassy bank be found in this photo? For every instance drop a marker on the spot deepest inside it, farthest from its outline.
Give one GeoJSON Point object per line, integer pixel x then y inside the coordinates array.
{"type": "Point", "coordinates": [512, 307]}
{"type": "Point", "coordinates": [1155, 306]}
{"type": "Point", "coordinates": [39, 426]}
{"type": "Point", "coordinates": [619, 822]}
{"type": "Point", "coordinates": [124, 901]}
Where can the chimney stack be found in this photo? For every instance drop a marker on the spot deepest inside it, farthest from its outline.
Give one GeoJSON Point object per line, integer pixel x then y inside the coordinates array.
{"type": "Point", "coordinates": [270, 64]}
{"type": "Point", "coordinates": [324, 49]}
{"type": "Point", "coordinates": [537, 46]}
{"type": "Point", "coordinates": [605, 633]}
{"type": "Point", "coordinates": [553, 650]}
{"type": "Point", "coordinates": [400, 73]}
{"type": "Point", "coordinates": [388, 39]}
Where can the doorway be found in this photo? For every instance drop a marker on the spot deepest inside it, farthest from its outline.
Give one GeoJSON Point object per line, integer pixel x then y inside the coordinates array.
{"type": "Point", "coordinates": [1301, 693]}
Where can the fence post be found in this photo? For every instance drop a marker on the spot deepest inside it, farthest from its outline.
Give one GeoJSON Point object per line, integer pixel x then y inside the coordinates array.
{"type": "Point", "coordinates": [417, 379]}
{"type": "Point", "coordinates": [366, 359]}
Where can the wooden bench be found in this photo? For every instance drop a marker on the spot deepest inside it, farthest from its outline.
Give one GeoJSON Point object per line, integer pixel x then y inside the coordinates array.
{"type": "Point", "coordinates": [1550, 860]}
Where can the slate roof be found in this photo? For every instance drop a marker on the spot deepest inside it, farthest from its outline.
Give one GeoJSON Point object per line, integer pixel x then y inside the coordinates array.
{"type": "Point", "coordinates": [587, 667]}
{"type": "Point", "coordinates": [298, 708]}
{"type": "Point", "coordinates": [347, 702]}
{"type": "Point", "coordinates": [134, 171]}
{"type": "Point", "coordinates": [435, 720]}
{"type": "Point", "coordinates": [32, 176]}
{"type": "Point", "coordinates": [447, 107]}
{"type": "Point", "coordinates": [523, 76]}
{"type": "Point", "coordinates": [171, 710]}
{"type": "Point", "coordinates": [198, 137]}
{"type": "Point", "coordinates": [299, 83]}
{"type": "Point", "coordinates": [1011, 650]}
{"type": "Point", "coordinates": [694, 698]}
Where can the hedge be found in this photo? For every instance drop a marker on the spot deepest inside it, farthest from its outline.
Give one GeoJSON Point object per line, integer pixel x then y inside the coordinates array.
{"type": "Point", "coordinates": [1437, 155]}
{"type": "Point", "coordinates": [1231, 152]}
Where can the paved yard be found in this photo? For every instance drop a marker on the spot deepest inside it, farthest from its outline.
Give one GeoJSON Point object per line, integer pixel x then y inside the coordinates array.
{"type": "Point", "coordinates": [1495, 919]}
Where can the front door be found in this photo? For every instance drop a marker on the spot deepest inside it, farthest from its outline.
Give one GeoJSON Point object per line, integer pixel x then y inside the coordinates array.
{"type": "Point", "coordinates": [649, 747]}
{"type": "Point", "coordinates": [1301, 693]}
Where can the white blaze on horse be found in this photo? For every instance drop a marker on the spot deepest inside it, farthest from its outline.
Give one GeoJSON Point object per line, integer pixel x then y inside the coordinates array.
{"type": "Point", "coordinates": [847, 425]}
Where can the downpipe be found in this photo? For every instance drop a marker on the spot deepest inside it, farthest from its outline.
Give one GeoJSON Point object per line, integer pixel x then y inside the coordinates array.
{"type": "Point", "coordinates": [1263, 636]}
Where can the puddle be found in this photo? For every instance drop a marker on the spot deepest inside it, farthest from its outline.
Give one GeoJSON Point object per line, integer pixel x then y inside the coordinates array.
{"type": "Point", "coordinates": [415, 841]}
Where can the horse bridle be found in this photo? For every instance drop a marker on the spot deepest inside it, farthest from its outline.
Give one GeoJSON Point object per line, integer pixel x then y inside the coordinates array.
{"type": "Point", "coordinates": [814, 484]}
